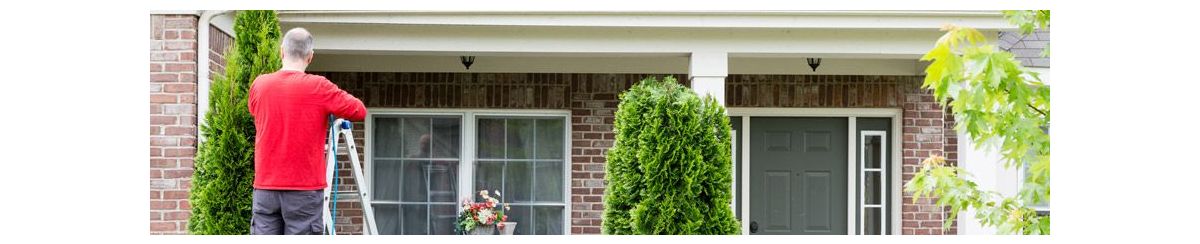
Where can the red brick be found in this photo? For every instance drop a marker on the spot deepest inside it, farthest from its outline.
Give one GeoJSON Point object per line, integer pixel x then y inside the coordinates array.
{"type": "Point", "coordinates": [175, 195]}
{"type": "Point", "coordinates": [180, 23]}
{"type": "Point", "coordinates": [176, 88]}
{"type": "Point", "coordinates": [187, 56]}
{"type": "Point", "coordinates": [180, 45]}
{"type": "Point", "coordinates": [931, 146]}
{"type": "Point", "coordinates": [185, 67]}
{"type": "Point", "coordinates": [162, 120]}
{"type": "Point", "coordinates": [181, 215]}
{"type": "Point", "coordinates": [164, 56]}
{"type": "Point", "coordinates": [163, 226]}
{"type": "Point", "coordinates": [179, 152]}
{"type": "Point", "coordinates": [164, 77]}
{"type": "Point", "coordinates": [187, 34]}
{"type": "Point", "coordinates": [162, 163]}
{"type": "Point", "coordinates": [163, 205]}
{"type": "Point", "coordinates": [179, 130]}
{"type": "Point", "coordinates": [164, 141]}
{"type": "Point", "coordinates": [187, 77]}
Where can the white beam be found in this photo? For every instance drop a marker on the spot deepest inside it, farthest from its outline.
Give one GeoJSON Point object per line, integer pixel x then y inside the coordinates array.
{"type": "Point", "coordinates": [927, 20]}
{"type": "Point", "coordinates": [604, 64]}
{"type": "Point", "coordinates": [395, 39]}
{"type": "Point", "coordinates": [707, 71]}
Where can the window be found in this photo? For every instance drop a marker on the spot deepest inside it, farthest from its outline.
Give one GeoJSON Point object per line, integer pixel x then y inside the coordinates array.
{"type": "Point", "coordinates": [523, 158]}
{"type": "Point", "coordinates": [415, 173]}
{"type": "Point", "coordinates": [872, 183]}
{"type": "Point", "coordinates": [422, 165]}
{"type": "Point", "coordinates": [1043, 207]}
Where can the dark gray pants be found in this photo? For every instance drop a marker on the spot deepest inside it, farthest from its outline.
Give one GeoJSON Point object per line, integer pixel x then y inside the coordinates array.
{"type": "Point", "coordinates": [278, 212]}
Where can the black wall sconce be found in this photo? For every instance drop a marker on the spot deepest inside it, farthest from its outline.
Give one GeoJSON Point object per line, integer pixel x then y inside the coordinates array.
{"type": "Point", "coordinates": [467, 61]}
{"type": "Point", "coordinates": [814, 62]}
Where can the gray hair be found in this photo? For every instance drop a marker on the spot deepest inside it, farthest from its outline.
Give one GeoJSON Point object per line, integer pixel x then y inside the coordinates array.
{"type": "Point", "coordinates": [297, 43]}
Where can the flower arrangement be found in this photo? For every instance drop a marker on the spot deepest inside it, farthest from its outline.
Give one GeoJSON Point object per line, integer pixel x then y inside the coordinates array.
{"type": "Point", "coordinates": [482, 214]}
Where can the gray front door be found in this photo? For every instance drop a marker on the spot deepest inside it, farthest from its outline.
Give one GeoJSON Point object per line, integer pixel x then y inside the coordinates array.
{"type": "Point", "coordinates": [798, 176]}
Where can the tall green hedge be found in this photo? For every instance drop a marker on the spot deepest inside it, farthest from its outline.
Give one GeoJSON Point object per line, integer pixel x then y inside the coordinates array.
{"type": "Point", "coordinates": [669, 171]}
{"type": "Point", "coordinates": [222, 185]}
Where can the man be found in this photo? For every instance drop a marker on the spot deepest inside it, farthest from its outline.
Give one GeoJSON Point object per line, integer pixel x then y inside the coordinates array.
{"type": "Point", "coordinates": [291, 111]}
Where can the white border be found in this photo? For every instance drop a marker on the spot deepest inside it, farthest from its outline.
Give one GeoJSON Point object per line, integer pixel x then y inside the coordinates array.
{"type": "Point", "coordinates": [862, 182]}
{"type": "Point", "coordinates": [467, 138]}
{"type": "Point", "coordinates": [896, 114]}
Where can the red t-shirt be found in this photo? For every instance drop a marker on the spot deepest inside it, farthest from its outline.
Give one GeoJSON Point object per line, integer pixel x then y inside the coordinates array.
{"type": "Point", "coordinates": [291, 114]}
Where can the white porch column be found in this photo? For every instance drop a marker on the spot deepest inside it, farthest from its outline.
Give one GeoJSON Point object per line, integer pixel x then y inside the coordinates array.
{"type": "Point", "coordinates": [707, 71]}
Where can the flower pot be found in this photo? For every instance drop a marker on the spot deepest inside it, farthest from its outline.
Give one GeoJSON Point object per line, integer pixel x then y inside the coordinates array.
{"type": "Point", "coordinates": [508, 228]}
{"type": "Point", "coordinates": [484, 230]}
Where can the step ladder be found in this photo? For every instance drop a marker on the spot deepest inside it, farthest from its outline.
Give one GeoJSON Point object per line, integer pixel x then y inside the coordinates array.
{"type": "Point", "coordinates": [342, 128]}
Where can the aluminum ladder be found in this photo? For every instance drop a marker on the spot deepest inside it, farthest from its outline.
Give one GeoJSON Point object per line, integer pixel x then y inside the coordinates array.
{"type": "Point", "coordinates": [342, 128]}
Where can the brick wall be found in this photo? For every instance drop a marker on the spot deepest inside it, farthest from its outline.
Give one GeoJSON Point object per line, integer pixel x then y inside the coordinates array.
{"type": "Point", "coordinates": [591, 98]}
{"type": "Point", "coordinates": [172, 120]}
{"type": "Point", "coordinates": [826, 91]}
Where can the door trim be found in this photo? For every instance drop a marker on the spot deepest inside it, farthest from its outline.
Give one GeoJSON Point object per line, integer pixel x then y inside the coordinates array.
{"type": "Point", "coordinates": [896, 114]}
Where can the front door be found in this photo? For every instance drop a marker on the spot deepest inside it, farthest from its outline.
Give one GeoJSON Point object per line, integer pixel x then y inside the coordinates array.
{"type": "Point", "coordinates": [798, 176]}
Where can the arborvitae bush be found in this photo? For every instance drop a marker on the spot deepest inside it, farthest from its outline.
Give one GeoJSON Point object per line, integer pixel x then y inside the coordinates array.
{"type": "Point", "coordinates": [669, 171]}
{"type": "Point", "coordinates": [223, 183]}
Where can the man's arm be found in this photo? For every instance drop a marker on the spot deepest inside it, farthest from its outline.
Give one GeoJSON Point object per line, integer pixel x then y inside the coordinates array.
{"type": "Point", "coordinates": [341, 104]}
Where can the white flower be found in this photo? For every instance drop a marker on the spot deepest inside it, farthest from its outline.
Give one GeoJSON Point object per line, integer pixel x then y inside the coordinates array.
{"type": "Point", "coordinates": [485, 214]}
{"type": "Point", "coordinates": [497, 192]}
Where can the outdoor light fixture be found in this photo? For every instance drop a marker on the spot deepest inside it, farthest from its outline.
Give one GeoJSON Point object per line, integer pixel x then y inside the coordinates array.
{"type": "Point", "coordinates": [467, 61]}
{"type": "Point", "coordinates": [814, 62]}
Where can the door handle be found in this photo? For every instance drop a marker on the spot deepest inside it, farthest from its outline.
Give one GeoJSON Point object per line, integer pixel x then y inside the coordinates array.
{"type": "Point", "coordinates": [753, 226]}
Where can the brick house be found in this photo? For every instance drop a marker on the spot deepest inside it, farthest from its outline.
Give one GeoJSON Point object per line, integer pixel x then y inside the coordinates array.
{"type": "Point", "coordinates": [820, 150]}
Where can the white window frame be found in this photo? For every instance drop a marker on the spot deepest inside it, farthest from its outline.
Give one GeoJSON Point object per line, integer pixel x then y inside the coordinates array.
{"type": "Point", "coordinates": [1021, 184]}
{"type": "Point", "coordinates": [468, 140]}
{"type": "Point", "coordinates": [862, 182]}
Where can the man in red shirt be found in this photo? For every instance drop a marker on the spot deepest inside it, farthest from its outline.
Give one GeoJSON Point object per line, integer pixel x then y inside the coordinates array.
{"type": "Point", "coordinates": [291, 111]}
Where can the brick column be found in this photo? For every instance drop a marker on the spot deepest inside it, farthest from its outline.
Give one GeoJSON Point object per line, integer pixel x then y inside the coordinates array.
{"type": "Point", "coordinates": [593, 105]}
{"type": "Point", "coordinates": [172, 120]}
{"type": "Point", "coordinates": [924, 135]}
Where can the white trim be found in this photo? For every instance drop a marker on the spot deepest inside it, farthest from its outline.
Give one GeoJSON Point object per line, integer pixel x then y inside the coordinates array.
{"type": "Point", "coordinates": [203, 80]}
{"type": "Point", "coordinates": [851, 175]}
{"type": "Point", "coordinates": [745, 175]}
{"type": "Point", "coordinates": [897, 180]}
{"type": "Point", "coordinates": [851, 20]}
{"type": "Point", "coordinates": [862, 182]}
{"type": "Point", "coordinates": [896, 115]}
{"type": "Point", "coordinates": [468, 148]}
{"type": "Point", "coordinates": [815, 112]}
{"type": "Point", "coordinates": [485, 41]}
